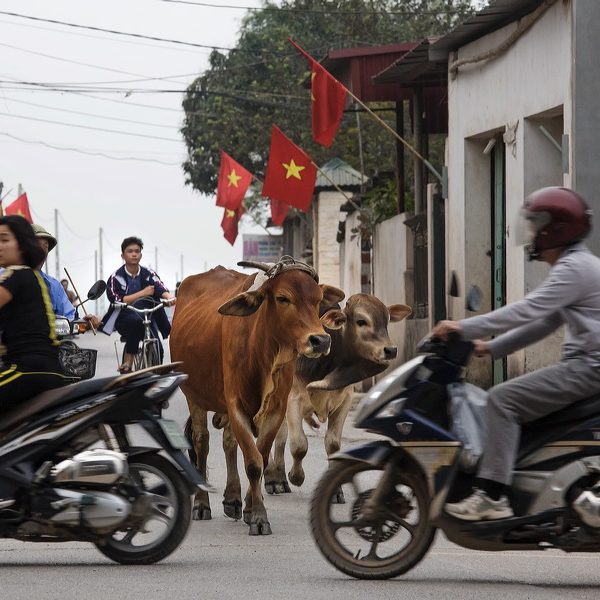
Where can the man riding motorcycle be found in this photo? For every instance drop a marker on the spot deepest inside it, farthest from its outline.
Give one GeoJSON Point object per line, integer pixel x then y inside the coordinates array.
{"type": "Point", "coordinates": [558, 220]}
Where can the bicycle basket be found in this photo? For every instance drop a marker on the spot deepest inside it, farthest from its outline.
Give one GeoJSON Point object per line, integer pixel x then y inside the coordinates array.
{"type": "Point", "coordinates": [76, 361]}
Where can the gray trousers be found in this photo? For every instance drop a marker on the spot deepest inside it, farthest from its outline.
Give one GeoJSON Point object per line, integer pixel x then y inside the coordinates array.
{"type": "Point", "coordinates": [527, 398]}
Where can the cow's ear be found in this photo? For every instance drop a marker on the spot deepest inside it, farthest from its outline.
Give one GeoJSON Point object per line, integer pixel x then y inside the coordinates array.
{"type": "Point", "coordinates": [399, 312]}
{"type": "Point", "coordinates": [334, 319]}
{"type": "Point", "coordinates": [332, 295]}
{"type": "Point", "coordinates": [242, 305]}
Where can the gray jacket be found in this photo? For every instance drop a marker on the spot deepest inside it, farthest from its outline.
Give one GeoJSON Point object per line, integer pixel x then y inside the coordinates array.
{"type": "Point", "coordinates": [570, 295]}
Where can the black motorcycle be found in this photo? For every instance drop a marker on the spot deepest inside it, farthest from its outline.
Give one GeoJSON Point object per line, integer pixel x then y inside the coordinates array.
{"type": "Point", "coordinates": [395, 489]}
{"type": "Point", "coordinates": [70, 472]}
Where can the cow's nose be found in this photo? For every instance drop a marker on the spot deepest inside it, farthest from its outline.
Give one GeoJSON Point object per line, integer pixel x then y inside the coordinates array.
{"type": "Point", "coordinates": [390, 352]}
{"type": "Point", "coordinates": [319, 343]}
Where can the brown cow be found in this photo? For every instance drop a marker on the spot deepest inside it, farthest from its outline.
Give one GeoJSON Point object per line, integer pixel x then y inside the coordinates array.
{"type": "Point", "coordinates": [323, 387]}
{"type": "Point", "coordinates": [239, 347]}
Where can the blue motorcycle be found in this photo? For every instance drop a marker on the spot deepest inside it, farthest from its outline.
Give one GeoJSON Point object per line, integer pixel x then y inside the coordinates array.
{"type": "Point", "coordinates": [375, 511]}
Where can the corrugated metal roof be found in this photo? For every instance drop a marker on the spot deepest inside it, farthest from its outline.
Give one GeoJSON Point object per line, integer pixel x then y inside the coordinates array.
{"type": "Point", "coordinates": [416, 67]}
{"type": "Point", "coordinates": [497, 15]}
{"type": "Point", "coordinates": [340, 173]}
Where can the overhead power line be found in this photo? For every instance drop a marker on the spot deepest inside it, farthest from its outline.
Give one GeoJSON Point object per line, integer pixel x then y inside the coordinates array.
{"type": "Point", "coordinates": [130, 133]}
{"type": "Point", "coordinates": [112, 31]}
{"type": "Point", "coordinates": [86, 114]}
{"type": "Point", "coordinates": [92, 66]}
{"type": "Point", "coordinates": [88, 152]}
{"type": "Point", "coordinates": [320, 11]}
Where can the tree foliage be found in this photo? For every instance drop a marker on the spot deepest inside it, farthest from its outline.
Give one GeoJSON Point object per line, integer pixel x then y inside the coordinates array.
{"type": "Point", "coordinates": [234, 102]}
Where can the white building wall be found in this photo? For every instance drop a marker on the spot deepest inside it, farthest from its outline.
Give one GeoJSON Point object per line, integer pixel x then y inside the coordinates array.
{"type": "Point", "coordinates": [532, 77]}
{"type": "Point", "coordinates": [390, 272]}
{"type": "Point", "coordinates": [350, 257]}
{"type": "Point", "coordinates": [326, 251]}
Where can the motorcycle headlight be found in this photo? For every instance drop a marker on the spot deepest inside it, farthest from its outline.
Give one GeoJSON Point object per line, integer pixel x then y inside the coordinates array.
{"type": "Point", "coordinates": [62, 327]}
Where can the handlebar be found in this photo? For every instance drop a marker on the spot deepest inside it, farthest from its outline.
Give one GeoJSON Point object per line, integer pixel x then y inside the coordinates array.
{"type": "Point", "coordinates": [454, 350]}
{"type": "Point", "coordinates": [143, 311]}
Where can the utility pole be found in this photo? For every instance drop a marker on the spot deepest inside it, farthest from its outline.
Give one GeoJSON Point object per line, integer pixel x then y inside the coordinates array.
{"type": "Point", "coordinates": [56, 249]}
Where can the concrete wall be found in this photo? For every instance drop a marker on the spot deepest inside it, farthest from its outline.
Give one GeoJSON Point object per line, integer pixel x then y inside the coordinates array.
{"type": "Point", "coordinates": [326, 251]}
{"type": "Point", "coordinates": [585, 138]}
{"type": "Point", "coordinates": [389, 271]}
{"type": "Point", "coordinates": [350, 257]}
{"type": "Point", "coordinates": [533, 77]}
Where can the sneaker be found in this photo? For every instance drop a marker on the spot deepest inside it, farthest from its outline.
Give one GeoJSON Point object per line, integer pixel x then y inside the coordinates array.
{"type": "Point", "coordinates": [479, 506]}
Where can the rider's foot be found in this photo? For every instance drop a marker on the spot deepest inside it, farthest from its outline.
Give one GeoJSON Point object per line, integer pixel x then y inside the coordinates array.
{"type": "Point", "coordinates": [479, 506]}
{"type": "Point", "coordinates": [124, 369]}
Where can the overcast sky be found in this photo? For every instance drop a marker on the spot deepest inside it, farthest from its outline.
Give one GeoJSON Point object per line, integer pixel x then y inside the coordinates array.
{"type": "Point", "coordinates": [125, 197]}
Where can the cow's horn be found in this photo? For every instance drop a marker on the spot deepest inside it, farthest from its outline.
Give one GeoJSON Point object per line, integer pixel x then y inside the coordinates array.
{"type": "Point", "coordinates": [255, 265]}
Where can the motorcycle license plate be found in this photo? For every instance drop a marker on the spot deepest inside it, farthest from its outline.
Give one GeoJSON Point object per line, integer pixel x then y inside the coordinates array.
{"type": "Point", "coordinates": [174, 434]}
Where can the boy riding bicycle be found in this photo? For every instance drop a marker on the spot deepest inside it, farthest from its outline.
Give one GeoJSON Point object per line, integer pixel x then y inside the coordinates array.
{"type": "Point", "coordinates": [129, 284]}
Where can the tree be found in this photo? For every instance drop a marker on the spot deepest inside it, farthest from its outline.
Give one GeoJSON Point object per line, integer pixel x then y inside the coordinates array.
{"type": "Point", "coordinates": [234, 102]}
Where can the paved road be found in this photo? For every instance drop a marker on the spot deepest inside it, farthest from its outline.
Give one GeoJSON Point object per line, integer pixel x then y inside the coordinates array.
{"type": "Point", "coordinates": [219, 560]}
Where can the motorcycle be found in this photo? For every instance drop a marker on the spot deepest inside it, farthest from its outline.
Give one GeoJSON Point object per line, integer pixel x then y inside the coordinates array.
{"type": "Point", "coordinates": [70, 472]}
{"type": "Point", "coordinates": [395, 489]}
{"type": "Point", "coordinates": [76, 362]}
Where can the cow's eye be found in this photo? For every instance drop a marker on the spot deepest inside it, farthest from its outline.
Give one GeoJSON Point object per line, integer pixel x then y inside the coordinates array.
{"type": "Point", "coordinates": [283, 299]}
{"type": "Point", "coordinates": [361, 323]}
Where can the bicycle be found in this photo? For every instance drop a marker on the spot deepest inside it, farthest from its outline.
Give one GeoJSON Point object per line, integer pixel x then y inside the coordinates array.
{"type": "Point", "coordinates": [148, 354]}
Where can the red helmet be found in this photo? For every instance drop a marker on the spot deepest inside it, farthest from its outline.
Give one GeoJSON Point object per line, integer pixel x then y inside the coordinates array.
{"type": "Point", "coordinates": [559, 216]}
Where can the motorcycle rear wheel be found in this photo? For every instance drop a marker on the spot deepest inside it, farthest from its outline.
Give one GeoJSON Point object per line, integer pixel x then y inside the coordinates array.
{"type": "Point", "coordinates": [171, 505]}
{"type": "Point", "coordinates": [337, 540]}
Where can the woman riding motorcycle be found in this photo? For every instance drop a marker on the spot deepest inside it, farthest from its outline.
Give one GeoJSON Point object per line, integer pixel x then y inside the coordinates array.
{"type": "Point", "coordinates": [26, 317]}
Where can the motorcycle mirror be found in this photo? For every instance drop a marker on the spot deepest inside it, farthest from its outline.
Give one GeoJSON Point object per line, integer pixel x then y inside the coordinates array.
{"type": "Point", "coordinates": [453, 291]}
{"type": "Point", "coordinates": [473, 302]}
{"type": "Point", "coordinates": [96, 290]}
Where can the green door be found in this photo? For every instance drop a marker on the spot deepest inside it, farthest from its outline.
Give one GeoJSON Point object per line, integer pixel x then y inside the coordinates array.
{"type": "Point", "coordinates": [499, 242]}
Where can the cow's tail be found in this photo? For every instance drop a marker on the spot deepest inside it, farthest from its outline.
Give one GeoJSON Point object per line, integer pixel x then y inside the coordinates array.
{"type": "Point", "coordinates": [188, 432]}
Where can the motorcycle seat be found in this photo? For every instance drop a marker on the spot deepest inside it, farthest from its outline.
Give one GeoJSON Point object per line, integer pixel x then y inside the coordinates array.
{"type": "Point", "coordinates": [578, 411]}
{"type": "Point", "coordinates": [50, 399]}
{"type": "Point", "coordinates": [554, 426]}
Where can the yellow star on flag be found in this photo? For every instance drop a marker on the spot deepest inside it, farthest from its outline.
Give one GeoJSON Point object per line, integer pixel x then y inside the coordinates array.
{"type": "Point", "coordinates": [293, 170]}
{"type": "Point", "coordinates": [312, 79]}
{"type": "Point", "coordinates": [233, 178]}
{"type": "Point", "coordinates": [229, 213]}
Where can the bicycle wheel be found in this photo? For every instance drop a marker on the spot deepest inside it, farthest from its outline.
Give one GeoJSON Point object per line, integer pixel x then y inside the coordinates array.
{"type": "Point", "coordinates": [150, 355]}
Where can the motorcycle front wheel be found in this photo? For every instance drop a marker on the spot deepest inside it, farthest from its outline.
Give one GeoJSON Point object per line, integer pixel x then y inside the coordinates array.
{"type": "Point", "coordinates": [164, 514]}
{"type": "Point", "coordinates": [379, 545]}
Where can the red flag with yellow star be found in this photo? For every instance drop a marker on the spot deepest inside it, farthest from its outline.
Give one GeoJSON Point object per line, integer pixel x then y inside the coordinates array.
{"type": "Point", "coordinates": [234, 181]}
{"type": "Point", "coordinates": [328, 99]}
{"type": "Point", "coordinates": [291, 173]}
{"type": "Point", "coordinates": [279, 211]}
{"type": "Point", "coordinates": [229, 223]}
{"type": "Point", "coordinates": [19, 207]}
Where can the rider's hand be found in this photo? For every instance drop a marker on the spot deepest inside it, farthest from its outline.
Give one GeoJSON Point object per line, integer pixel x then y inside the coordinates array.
{"type": "Point", "coordinates": [444, 328]}
{"type": "Point", "coordinates": [148, 290]}
{"type": "Point", "coordinates": [171, 301]}
{"type": "Point", "coordinates": [92, 321]}
{"type": "Point", "coordinates": [481, 348]}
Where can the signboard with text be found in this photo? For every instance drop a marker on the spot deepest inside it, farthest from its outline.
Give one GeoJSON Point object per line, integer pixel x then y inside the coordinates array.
{"type": "Point", "coordinates": [262, 248]}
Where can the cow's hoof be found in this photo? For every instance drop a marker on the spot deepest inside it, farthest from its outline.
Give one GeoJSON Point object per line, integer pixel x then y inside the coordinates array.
{"type": "Point", "coordinates": [296, 476]}
{"type": "Point", "coordinates": [260, 527]}
{"type": "Point", "coordinates": [282, 487]}
{"type": "Point", "coordinates": [233, 509]}
{"type": "Point", "coordinates": [201, 513]}
{"type": "Point", "coordinates": [339, 497]}
{"type": "Point", "coordinates": [277, 487]}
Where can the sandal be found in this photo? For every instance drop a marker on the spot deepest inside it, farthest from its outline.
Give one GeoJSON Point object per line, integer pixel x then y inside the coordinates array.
{"type": "Point", "coordinates": [124, 369]}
